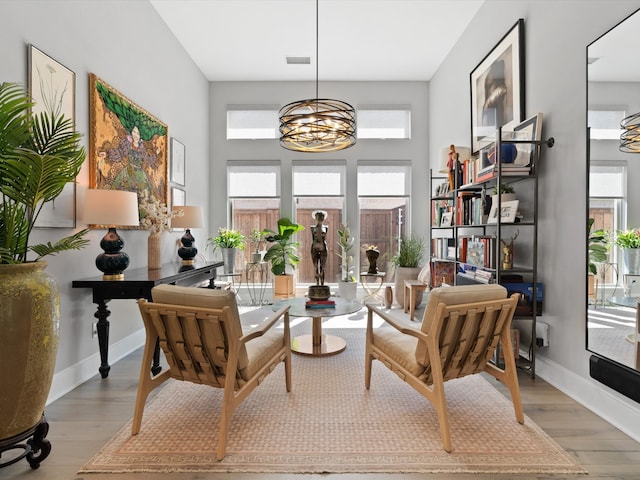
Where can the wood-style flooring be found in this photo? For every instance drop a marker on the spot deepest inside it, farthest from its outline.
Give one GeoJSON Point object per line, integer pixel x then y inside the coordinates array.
{"type": "Point", "coordinates": [85, 419]}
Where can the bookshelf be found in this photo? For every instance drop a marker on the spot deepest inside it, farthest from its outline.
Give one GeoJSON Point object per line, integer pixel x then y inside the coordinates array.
{"type": "Point", "coordinates": [478, 236]}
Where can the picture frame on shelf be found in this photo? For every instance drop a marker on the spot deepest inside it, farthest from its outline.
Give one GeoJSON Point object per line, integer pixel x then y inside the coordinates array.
{"type": "Point", "coordinates": [52, 85]}
{"type": "Point", "coordinates": [447, 219]}
{"type": "Point", "coordinates": [508, 211]}
{"type": "Point", "coordinates": [530, 130]}
{"type": "Point", "coordinates": [178, 151]}
{"type": "Point", "coordinates": [497, 88]}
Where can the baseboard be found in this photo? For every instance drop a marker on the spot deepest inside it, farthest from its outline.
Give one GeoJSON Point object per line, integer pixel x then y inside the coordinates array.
{"type": "Point", "coordinates": [74, 375]}
{"type": "Point", "coordinates": [618, 410]}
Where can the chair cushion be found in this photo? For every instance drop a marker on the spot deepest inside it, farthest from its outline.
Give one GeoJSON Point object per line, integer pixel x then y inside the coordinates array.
{"type": "Point", "coordinates": [261, 351]}
{"type": "Point", "coordinates": [399, 347]}
{"type": "Point", "coordinates": [453, 296]}
{"type": "Point", "coordinates": [204, 298]}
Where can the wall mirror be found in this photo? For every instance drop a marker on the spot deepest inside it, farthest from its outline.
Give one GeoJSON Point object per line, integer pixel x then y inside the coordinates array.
{"type": "Point", "coordinates": [613, 93]}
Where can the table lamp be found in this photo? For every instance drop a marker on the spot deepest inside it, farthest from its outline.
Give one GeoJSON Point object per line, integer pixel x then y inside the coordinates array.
{"type": "Point", "coordinates": [187, 217]}
{"type": "Point", "coordinates": [111, 207]}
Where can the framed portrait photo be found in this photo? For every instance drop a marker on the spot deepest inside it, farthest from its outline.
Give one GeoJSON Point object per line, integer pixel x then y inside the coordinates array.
{"type": "Point", "coordinates": [447, 219]}
{"type": "Point", "coordinates": [53, 86]}
{"type": "Point", "coordinates": [508, 211]}
{"type": "Point", "coordinates": [178, 151]}
{"type": "Point", "coordinates": [497, 88]}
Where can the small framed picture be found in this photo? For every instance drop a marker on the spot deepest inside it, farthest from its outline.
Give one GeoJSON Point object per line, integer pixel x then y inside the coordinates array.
{"type": "Point", "coordinates": [177, 161]}
{"type": "Point", "coordinates": [447, 219]}
{"type": "Point", "coordinates": [508, 211]}
{"type": "Point", "coordinates": [178, 197]}
{"type": "Point", "coordinates": [530, 129]}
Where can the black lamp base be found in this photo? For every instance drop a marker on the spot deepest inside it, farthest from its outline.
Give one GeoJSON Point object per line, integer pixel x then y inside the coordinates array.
{"type": "Point", "coordinates": [187, 252]}
{"type": "Point", "coordinates": [113, 261]}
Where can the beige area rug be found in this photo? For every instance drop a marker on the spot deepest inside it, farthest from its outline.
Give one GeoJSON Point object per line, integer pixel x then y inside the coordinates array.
{"type": "Point", "coordinates": [329, 423]}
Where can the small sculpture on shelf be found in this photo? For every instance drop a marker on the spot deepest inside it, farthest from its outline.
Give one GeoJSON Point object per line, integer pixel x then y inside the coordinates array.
{"type": "Point", "coordinates": [372, 254]}
{"type": "Point", "coordinates": [507, 252]}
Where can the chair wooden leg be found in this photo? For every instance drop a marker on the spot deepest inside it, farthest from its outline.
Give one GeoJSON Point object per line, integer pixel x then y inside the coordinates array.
{"type": "Point", "coordinates": [412, 303]}
{"type": "Point", "coordinates": [405, 303]}
{"type": "Point", "coordinates": [511, 375]}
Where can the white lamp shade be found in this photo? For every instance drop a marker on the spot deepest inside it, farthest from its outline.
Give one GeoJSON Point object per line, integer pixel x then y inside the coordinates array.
{"type": "Point", "coordinates": [464, 153]}
{"type": "Point", "coordinates": [191, 217]}
{"type": "Point", "coordinates": [111, 207]}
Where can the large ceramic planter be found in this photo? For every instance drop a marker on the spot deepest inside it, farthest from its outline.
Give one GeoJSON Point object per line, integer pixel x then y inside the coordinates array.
{"type": "Point", "coordinates": [402, 274]}
{"type": "Point", "coordinates": [29, 326]}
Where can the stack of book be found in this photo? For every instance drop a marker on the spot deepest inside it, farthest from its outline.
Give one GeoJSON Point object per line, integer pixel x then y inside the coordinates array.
{"type": "Point", "coordinates": [507, 169]}
{"type": "Point", "coordinates": [328, 303]}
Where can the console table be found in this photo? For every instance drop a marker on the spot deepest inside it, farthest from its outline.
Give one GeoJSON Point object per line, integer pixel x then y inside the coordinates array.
{"type": "Point", "coordinates": [138, 283]}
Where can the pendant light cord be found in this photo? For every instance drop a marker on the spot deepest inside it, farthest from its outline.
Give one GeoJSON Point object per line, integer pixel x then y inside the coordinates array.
{"type": "Point", "coordinates": [317, 28]}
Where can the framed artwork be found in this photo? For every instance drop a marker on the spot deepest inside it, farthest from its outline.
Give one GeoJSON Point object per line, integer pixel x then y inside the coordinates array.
{"type": "Point", "coordinates": [177, 161]}
{"type": "Point", "coordinates": [530, 129]}
{"type": "Point", "coordinates": [52, 86]}
{"type": "Point", "coordinates": [127, 145]}
{"type": "Point", "coordinates": [497, 88]}
{"type": "Point", "coordinates": [508, 211]}
{"type": "Point", "coordinates": [447, 219]}
{"type": "Point", "coordinates": [178, 199]}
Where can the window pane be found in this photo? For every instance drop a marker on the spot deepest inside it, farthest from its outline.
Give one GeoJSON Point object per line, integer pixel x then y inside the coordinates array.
{"type": "Point", "coordinates": [319, 180]}
{"type": "Point", "coordinates": [252, 124]}
{"type": "Point", "coordinates": [382, 222]}
{"type": "Point", "coordinates": [606, 181]}
{"type": "Point", "coordinates": [383, 180]}
{"type": "Point", "coordinates": [254, 181]}
{"type": "Point", "coordinates": [605, 124]}
{"type": "Point", "coordinates": [384, 124]}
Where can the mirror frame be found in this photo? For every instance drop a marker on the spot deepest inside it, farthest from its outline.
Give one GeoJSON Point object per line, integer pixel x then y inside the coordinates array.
{"type": "Point", "coordinates": [609, 372]}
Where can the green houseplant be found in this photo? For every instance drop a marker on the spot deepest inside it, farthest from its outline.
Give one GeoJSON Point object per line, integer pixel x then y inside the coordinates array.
{"type": "Point", "coordinates": [228, 241]}
{"type": "Point", "coordinates": [283, 255]}
{"type": "Point", "coordinates": [407, 264]}
{"type": "Point", "coordinates": [39, 155]}
{"type": "Point", "coordinates": [629, 241]}
{"type": "Point", "coordinates": [597, 242]}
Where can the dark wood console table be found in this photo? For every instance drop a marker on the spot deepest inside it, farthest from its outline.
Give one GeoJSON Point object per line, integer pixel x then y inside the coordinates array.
{"type": "Point", "coordinates": [138, 283]}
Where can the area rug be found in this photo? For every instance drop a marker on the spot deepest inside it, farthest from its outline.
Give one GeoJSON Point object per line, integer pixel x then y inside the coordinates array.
{"type": "Point", "coordinates": [330, 423]}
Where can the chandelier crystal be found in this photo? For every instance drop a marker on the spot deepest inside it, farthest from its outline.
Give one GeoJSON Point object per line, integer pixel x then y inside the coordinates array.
{"type": "Point", "coordinates": [319, 124]}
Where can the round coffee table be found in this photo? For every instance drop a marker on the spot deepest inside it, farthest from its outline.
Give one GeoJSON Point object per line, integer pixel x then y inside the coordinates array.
{"type": "Point", "coordinates": [317, 344]}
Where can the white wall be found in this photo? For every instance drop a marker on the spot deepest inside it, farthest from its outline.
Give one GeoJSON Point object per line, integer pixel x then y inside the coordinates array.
{"type": "Point", "coordinates": [127, 45]}
{"type": "Point", "coordinates": [556, 36]}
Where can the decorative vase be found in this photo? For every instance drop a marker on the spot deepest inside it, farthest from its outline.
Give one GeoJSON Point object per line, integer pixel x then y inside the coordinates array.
{"type": "Point", "coordinates": [348, 290]}
{"type": "Point", "coordinates": [229, 259]}
{"type": "Point", "coordinates": [29, 322]}
{"type": "Point", "coordinates": [631, 258]}
{"type": "Point", "coordinates": [154, 251]}
{"type": "Point", "coordinates": [372, 256]}
{"type": "Point", "coordinates": [388, 296]}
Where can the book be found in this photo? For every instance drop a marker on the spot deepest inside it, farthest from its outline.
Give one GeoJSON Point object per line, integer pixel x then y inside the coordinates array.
{"type": "Point", "coordinates": [475, 252]}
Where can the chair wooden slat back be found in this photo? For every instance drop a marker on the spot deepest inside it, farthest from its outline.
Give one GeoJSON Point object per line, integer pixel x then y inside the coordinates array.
{"type": "Point", "coordinates": [459, 334]}
{"type": "Point", "coordinates": [201, 335]}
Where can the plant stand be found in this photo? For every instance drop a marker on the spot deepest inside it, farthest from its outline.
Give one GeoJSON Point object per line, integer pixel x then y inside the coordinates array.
{"type": "Point", "coordinates": [256, 281]}
{"type": "Point", "coordinates": [372, 289]}
{"type": "Point", "coordinates": [36, 447]}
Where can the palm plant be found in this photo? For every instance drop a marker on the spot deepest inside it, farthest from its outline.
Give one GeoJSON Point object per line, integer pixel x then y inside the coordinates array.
{"type": "Point", "coordinates": [411, 252]}
{"type": "Point", "coordinates": [39, 155]}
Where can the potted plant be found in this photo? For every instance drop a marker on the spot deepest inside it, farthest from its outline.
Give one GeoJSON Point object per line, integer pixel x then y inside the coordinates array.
{"type": "Point", "coordinates": [507, 193]}
{"type": "Point", "coordinates": [629, 242]}
{"type": "Point", "coordinates": [283, 255]}
{"type": "Point", "coordinates": [347, 285]}
{"type": "Point", "coordinates": [39, 155]}
{"type": "Point", "coordinates": [256, 240]}
{"type": "Point", "coordinates": [228, 241]}
{"type": "Point", "coordinates": [597, 251]}
{"type": "Point", "coordinates": [407, 264]}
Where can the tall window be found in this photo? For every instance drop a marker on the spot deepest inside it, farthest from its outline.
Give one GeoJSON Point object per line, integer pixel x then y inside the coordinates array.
{"type": "Point", "coordinates": [254, 200]}
{"type": "Point", "coordinates": [318, 187]}
{"type": "Point", "coordinates": [383, 198]}
{"type": "Point", "coordinates": [606, 203]}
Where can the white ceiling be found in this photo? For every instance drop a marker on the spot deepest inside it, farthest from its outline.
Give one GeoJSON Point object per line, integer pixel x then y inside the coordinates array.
{"type": "Point", "coordinates": [359, 40]}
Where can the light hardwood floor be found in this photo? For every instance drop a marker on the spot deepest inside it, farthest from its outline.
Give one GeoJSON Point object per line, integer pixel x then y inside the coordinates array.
{"type": "Point", "coordinates": [85, 419]}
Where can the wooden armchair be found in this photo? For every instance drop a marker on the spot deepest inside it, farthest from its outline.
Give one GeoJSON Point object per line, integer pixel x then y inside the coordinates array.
{"type": "Point", "coordinates": [200, 333]}
{"type": "Point", "coordinates": [458, 336]}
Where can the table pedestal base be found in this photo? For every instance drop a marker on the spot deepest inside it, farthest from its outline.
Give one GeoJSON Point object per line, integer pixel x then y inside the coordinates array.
{"type": "Point", "coordinates": [317, 344]}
